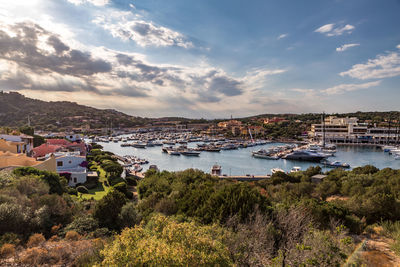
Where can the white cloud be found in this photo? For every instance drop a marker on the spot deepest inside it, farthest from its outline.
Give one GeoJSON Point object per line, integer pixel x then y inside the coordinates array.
{"type": "Point", "coordinates": [93, 2]}
{"type": "Point", "coordinates": [325, 28]}
{"type": "Point", "coordinates": [398, 46]}
{"type": "Point", "coordinates": [284, 35]}
{"type": "Point", "coordinates": [343, 88]}
{"type": "Point", "coordinates": [126, 26]}
{"type": "Point", "coordinates": [383, 66]}
{"type": "Point", "coordinates": [345, 47]}
{"type": "Point", "coordinates": [331, 30]}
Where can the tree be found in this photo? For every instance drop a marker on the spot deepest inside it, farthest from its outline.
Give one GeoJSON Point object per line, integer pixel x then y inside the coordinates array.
{"type": "Point", "coordinates": [108, 208]}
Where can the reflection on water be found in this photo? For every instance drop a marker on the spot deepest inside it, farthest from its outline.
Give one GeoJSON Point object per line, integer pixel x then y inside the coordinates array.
{"type": "Point", "coordinates": [240, 162]}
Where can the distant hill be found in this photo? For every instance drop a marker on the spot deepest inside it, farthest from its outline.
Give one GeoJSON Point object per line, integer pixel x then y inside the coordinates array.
{"type": "Point", "coordinates": [15, 108]}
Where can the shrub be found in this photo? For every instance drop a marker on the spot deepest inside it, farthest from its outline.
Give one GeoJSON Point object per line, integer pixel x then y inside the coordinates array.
{"type": "Point", "coordinates": [72, 236]}
{"type": "Point", "coordinates": [72, 191]}
{"type": "Point", "coordinates": [56, 183]}
{"type": "Point", "coordinates": [35, 240]}
{"type": "Point", "coordinates": [108, 208]}
{"type": "Point", "coordinates": [83, 225]}
{"type": "Point", "coordinates": [121, 187]}
{"type": "Point", "coordinates": [10, 238]}
{"type": "Point", "coordinates": [82, 189]}
{"type": "Point", "coordinates": [7, 250]}
{"type": "Point", "coordinates": [166, 242]}
{"type": "Point", "coordinates": [129, 215]}
{"type": "Point", "coordinates": [35, 256]}
{"type": "Point", "coordinates": [131, 181]}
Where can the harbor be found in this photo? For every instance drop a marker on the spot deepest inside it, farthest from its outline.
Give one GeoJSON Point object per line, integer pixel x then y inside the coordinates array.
{"type": "Point", "coordinates": [240, 161]}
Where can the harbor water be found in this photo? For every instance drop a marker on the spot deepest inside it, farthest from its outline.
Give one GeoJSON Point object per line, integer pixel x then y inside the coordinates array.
{"type": "Point", "coordinates": [241, 162]}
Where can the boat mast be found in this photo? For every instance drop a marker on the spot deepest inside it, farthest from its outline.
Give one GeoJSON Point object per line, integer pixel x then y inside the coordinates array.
{"type": "Point", "coordinates": [388, 135]}
{"type": "Point", "coordinates": [323, 129]}
{"type": "Point", "coordinates": [251, 136]}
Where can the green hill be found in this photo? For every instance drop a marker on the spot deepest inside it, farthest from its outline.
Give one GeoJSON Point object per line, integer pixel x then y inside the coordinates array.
{"type": "Point", "coordinates": [15, 108]}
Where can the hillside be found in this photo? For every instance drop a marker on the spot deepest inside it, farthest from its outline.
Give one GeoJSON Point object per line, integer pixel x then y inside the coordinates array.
{"type": "Point", "coordinates": [15, 108]}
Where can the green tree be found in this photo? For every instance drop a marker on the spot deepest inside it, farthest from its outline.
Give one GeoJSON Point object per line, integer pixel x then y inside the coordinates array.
{"type": "Point", "coordinates": [108, 208]}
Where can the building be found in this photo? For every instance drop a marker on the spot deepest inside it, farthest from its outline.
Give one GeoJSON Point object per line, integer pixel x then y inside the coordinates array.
{"type": "Point", "coordinates": [44, 149]}
{"type": "Point", "coordinates": [273, 120]}
{"type": "Point", "coordinates": [16, 143]}
{"type": "Point", "coordinates": [74, 137]}
{"type": "Point", "coordinates": [229, 124]}
{"type": "Point", "coordinates": [13, 160]}
{"type": "Point", "coordinates": [72, 166]}
{"type": "Point", "coordinates": [349, 130]}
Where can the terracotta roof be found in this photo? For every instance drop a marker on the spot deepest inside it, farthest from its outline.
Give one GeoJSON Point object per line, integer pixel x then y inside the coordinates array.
{"type": "Point", "coordinates": [45, 149]}
{"type": "Point", "coordinates": [57, 142]}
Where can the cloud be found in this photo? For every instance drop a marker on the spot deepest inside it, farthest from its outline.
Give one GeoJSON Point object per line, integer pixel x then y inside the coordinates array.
{"type": "Point", "coordinates": [383, 66]}
{"type": "Point", "coordinates": [93, 2]}
{"type": "Point", "coordinates": [398, 46]}
{"type": "Point", "coordinates": [343, 88]}
{"type": "Point", "coordinates": [33, 58]}
{"type": "Point", "coordinates": [331, 30]}
{"type": "Point", "coordinates": [345, 47]}
{"type": "Point", "coordinates": [126, 26]}
{"type": "Point", "coordinates": [284, 35]}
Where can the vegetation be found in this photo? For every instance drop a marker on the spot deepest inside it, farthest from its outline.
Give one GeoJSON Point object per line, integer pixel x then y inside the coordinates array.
{"type": "Point", "coordinates": [193, 218]}
{"type": "Point", "coordinates": [15, 109]}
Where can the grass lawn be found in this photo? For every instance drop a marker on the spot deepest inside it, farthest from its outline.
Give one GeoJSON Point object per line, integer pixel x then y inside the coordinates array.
{"type": "Point", "coordinates": [101, 190]}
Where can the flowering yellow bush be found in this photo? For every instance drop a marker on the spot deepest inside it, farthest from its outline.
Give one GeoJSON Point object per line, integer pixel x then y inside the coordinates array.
{"type": "Point", "coordinates": [164, 241]}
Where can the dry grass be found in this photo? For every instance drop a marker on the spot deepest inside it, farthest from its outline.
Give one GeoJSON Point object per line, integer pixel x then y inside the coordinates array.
{"type": "Point", "coordinates": [72, 236]}
{"type": "Point", "coordinates": [35, 240]}
{"type": "Point", "coordinates": [63, 253]}
{"type": "Point", "coordinates": [7, 250]}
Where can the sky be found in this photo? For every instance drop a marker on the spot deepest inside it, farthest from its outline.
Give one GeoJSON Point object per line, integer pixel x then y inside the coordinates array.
{"type": "Point", "coordinates": [204, 58]}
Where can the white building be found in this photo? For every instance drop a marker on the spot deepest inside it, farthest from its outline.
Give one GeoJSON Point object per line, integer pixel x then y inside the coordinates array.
{"type": "Point", "coordinates": [349, 130]}
{"type": "Point", "coordinates": [74, 137]}
{"type": "Point", "coordinates": [72, 164]}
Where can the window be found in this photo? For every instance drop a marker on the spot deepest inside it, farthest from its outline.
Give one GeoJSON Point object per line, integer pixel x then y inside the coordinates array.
{"type": "Point", "coordinates": [59, 163]}
{"type": "Point", "coordinates": [74, 179]}
{"type": "Point", "coordinates": [69, 162]}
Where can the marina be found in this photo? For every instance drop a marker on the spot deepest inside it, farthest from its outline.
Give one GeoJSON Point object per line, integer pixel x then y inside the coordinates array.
{"type": "Point", "coordinates": [173, 155]}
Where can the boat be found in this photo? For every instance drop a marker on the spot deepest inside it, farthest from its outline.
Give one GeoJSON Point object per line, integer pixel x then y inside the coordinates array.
{"type": "Point", "coordinates": [295, 169]}
{"type": "Point", "coordinates": [263, 154]}
{"type": "Point", "coordinates": [275, 170]}
{"type": "Point", "coordinates": [305, 155]}
{"type": "Point", "coordinates": [191, 153]}
{"type": "Point", "coordinates": [139, 145]}
{"type": "Point", "coordinates": [397, 156]}
{"type": "Point", "coordinates": [173, 152]}
{"type": "Point", "coordinates": [212, 149]}
{"type": "Point", "coordinates": [335, 164]}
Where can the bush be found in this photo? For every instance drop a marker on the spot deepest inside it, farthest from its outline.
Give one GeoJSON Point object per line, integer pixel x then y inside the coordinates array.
{"type": "Point", "coordinates": [108, 208]}
{"type": "Point", "coordinates": [56, 183]}
{"type": "Point", "coordinates": [35, 257]}
{"type": "Point", "coordinates": [121, 187]}
{"type": "Point", "coordinates": [131, 181]}
{"type": "Point", "coordinates": [82, 189]}
{"type": "Point", "coordinates": [129, 215]}
{"type": "Point", "coordinates": [10, 238]}
{"type": "Point", "coordinates": [7, 250]}
{"type": "Point", "coordinates": [35, 240]}
{"type": "Point", "coordinates": [83, 225]}
{"type": "Point", "coordinates": [166, 242]}
{"type": "Point", "coordinates": [72, 191]}
{"type": "Point", "coordinates": [72, 236]}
